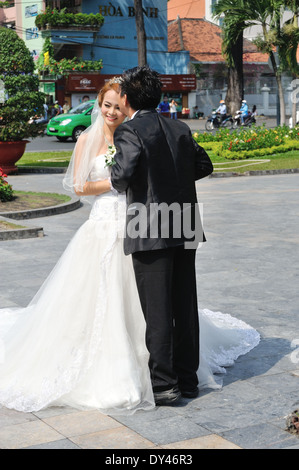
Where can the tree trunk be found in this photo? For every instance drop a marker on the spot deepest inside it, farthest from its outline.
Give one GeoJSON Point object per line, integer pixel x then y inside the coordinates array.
{"type": "Point", "coordinates": [234, 94]}
{"type": "Point", "coordinates": [281, 100]}
{"type": "Point", "coordinates": [294, 107]}
{"type": "Point", "coordinates": [279, 88]}
{"type": "Point", "coordinates": [141, 36]}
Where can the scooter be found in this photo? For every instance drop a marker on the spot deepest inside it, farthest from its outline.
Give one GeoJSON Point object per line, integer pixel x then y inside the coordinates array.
{"type": "Point", "coordinates": [247, 123]}
{"type": "Point", "coordinates": [214, 122]}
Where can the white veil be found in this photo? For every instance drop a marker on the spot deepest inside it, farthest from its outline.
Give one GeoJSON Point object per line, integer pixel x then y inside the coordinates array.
{"type": "Point", "coordinates": [85, 152]}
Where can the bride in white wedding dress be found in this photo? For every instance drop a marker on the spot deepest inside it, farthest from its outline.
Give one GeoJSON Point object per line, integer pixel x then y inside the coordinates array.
{"type": "Point", "coordinates": [81, 340]}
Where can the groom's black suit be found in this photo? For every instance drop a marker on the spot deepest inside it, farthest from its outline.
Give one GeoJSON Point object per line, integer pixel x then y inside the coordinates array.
{"type": "Point", "coordinates": [158, 161]}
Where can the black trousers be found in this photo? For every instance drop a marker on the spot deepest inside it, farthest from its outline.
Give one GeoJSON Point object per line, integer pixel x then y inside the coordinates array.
{"type": "Point", "coordinates": [166, 284]}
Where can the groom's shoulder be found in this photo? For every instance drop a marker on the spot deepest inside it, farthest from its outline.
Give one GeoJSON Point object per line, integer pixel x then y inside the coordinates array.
{"type": "Point", "coordinates": [126, 125]}
{"type": "Point", "coordinates": [177, 126]}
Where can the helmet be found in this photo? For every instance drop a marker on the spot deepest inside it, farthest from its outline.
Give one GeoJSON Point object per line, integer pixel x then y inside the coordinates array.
{"type": "Point", "coordinates": [244, 101]}
{"type": "Point", "coordinates": [222, 101]}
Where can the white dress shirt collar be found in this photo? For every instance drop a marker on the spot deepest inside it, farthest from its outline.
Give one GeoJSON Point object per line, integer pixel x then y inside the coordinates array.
{"type": "Point", "coordinates": [134, 114]}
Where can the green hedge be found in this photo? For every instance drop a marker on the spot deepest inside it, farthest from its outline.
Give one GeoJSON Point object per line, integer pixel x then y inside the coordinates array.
{"type": "Point", "coordinates": [55, 17]}
{"type": "Point", "coordinates": [255, 153]}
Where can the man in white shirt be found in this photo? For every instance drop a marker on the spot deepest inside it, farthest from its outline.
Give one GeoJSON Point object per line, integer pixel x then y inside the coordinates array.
{"type": "Point", "coordinates": [221, 110]}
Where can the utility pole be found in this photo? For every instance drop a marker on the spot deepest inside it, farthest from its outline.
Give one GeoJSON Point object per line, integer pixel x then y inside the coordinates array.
{"type": "Point", "coordinates": [141, 36]}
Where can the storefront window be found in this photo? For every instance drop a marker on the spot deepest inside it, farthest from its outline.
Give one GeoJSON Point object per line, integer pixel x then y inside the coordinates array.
{"type": "Point", "coordinates": [177, 97]}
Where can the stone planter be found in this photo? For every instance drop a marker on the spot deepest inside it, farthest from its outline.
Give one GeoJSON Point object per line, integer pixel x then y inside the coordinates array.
{"type": "Point", "coordinates": [10, 153]}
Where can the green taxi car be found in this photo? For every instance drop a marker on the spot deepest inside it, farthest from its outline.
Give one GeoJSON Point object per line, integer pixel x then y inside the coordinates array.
{"type": "Point", "coordinates": [72, 123]}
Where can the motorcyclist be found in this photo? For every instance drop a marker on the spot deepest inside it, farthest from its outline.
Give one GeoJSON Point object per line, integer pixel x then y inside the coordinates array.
{"type": "Point", "coordinates": [221, 110]}
{"type": "Point", "coordinates": [244, 111]}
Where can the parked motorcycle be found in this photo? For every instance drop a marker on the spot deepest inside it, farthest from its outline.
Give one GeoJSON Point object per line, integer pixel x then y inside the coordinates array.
{"type": "Point", "coordinates": [247, 123]}
{"type": "Point", "coordinates": [215, 122]}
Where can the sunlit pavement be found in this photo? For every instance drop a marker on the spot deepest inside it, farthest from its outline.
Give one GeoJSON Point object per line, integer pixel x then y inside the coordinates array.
{"type": "Point", "coordinates": [248, 268]}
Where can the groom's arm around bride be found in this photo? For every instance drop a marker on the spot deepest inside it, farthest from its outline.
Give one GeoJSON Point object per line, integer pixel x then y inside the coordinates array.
{"type": "Point", "coordinates": [157, 162]}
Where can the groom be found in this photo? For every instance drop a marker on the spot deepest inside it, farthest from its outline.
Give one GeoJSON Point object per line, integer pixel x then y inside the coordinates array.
{"type": "Point", "coordinates": [157, 163]}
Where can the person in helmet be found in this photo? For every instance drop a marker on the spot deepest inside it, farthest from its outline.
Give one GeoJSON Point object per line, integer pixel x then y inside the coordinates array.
{"type": "Point", "coordinates": [244, 111]}
{"type": "Point", "coordinates": [221, 110]}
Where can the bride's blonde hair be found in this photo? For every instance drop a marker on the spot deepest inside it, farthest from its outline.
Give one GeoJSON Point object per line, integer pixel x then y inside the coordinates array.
{"type": "Point", "coordinates": [112, 84]}
{"type": "Point", "coordinates": [87, 146]}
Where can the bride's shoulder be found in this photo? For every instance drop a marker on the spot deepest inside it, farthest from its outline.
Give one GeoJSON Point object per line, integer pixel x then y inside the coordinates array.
{"type": "Point", "coordinates": [82, 138]}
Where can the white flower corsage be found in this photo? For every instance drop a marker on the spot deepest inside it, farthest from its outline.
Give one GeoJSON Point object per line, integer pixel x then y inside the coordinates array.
{"type": "Point", "coordinates": [109, 156]}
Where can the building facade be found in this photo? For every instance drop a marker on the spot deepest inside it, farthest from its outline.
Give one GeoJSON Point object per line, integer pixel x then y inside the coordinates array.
{"type": "Point", "coordinates": [20, 16]}
{"type": "Point", "coordinates": [115, 43]}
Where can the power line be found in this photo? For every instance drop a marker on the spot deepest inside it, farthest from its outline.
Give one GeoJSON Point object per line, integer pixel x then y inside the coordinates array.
{"type": "Point", "coordinates": [22, 30]}
{"type": "Point", "coordinates": [103, 46]}
{"type": "Point", "coordinates": [120, 19]}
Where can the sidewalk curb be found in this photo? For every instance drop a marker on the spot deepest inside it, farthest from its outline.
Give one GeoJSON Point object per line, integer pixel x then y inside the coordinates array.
{"type": "Point", "coordinates": [19, 233]}
{"type": "Point", "coordinates": [50, 170]}
{"type": "Point", "coordinates": [31, 232]}
{"type": "Point", "coordinates": [42, 169]}
{"type": "Point", "coordinates": [225, 174]}
{"type": "Point", "coordinates": [69, 206]}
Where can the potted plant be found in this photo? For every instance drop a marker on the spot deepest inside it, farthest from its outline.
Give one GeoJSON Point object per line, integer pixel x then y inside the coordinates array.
{"type": "Point", "coordinates": [61, 19]}
{"type": "Point", "coordinates": [20, 99]}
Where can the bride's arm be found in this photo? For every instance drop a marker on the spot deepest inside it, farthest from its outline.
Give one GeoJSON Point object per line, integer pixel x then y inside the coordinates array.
{"type": "Point", "coordinates": [89, 188]}
{"type": "Point", "coordinates": [94, 188]}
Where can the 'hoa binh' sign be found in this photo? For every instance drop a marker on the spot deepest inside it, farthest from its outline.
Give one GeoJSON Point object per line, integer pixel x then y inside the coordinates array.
{"type": "Point", "coordinates": [116, 42]}
{"type": "Point", "coordinates": [127, 10]}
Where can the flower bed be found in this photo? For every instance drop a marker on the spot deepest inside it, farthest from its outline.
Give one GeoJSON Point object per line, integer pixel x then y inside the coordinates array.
{"type": "Point", "coordinates": [6, 191]}
{"type": "Point", "coordinates": [248, 143]}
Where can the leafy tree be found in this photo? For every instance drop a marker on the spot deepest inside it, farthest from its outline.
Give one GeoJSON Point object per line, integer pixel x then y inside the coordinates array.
{"type": "Point", "coordinates": [241, 14]}
{"type": "Point", "coordinates": [22, 98]}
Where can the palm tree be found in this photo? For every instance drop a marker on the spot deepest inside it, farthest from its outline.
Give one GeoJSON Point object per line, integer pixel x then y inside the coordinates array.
{"type": "Point", "coordinates": [241, 14]}
{"type": "Point", "coordinates": [232, 48]}
{"type": "Point", "coordinates": [270, 21]}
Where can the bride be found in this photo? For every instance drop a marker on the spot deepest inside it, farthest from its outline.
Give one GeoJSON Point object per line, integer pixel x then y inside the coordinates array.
{"type": "Point", "coordinates": [81, 340]}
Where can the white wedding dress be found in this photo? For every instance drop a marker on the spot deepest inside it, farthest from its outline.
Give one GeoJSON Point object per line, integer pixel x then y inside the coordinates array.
{"type": "Point", "coordinates": [80, 341]}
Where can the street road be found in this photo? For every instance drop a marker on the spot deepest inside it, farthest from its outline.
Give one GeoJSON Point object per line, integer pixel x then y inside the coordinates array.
{"type": "Point", "coordinates": [51, 144]}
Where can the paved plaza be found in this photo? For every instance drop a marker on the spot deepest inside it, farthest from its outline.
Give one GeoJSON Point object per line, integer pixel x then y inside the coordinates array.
{"type": "Point", "coordinates": [248, 268]}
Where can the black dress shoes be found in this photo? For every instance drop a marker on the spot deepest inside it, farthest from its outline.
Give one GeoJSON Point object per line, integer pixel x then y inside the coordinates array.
{"type": "Point", "coordinates": [167, 397]}
{"type": "Point", "coordinates": [190, 393]}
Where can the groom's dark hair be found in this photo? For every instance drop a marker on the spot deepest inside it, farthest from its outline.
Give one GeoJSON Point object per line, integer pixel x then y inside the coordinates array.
{"type": "Point", "coordinates": [142, 86]}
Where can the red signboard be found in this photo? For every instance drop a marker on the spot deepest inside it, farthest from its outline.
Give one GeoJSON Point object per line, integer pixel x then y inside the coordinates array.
{"type": "Point", "coordinates": [93, 82]}
{"type": "Point", "coordinates": [84, 82]}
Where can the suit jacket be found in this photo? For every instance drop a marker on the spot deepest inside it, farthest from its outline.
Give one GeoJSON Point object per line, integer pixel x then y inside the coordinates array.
{"type": "Point", "coordinates": [158, 161]}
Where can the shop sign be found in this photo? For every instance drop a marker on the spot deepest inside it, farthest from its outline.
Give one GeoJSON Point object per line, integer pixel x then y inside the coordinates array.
{"type": "Point", "coordinates": [113, 10]}
{"type": "Point", "coordinates": [94, 82]}
{"type": "Point", "coordinates": [82, 82]}
{"type": "Point", "coordinates": [178, 82]}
